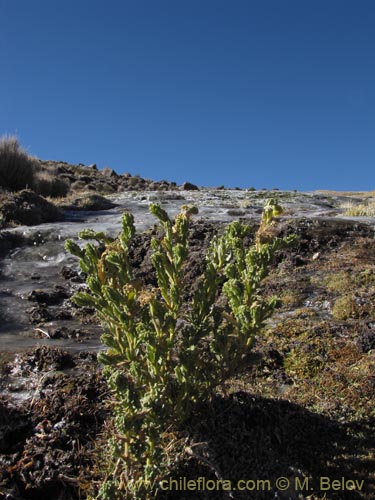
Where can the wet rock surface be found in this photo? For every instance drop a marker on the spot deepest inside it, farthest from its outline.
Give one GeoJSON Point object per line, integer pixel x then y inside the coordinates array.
{"type": "Point", "coordinates": [46, 440]}
{"type": "Point", "coordinates": [303, 408]}
{"type": "Point", "coordinates": [9, 240]}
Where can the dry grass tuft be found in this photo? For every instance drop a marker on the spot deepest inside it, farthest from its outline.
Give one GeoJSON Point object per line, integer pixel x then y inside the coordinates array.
{"type": "Point", "coordinates": [17, 168]}
{"type": "Point", "coordinates": [46, 184]}
{"type": "Point", "coordinates": [366, 209]}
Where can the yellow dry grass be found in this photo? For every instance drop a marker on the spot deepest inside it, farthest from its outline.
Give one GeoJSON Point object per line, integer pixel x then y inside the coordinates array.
{"type": "Point", "coordinates": [356, 194]}
{"type": "Point", "coordinates": [352, 209]}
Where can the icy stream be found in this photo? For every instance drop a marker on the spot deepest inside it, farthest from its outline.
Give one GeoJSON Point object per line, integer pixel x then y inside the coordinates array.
{"type": "Point", "coordinates": [38, 266]}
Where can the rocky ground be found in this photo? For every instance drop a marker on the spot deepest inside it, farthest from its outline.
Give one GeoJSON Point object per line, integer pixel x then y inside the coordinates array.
{"type": "Point", "coordinates": [72, 187]}
{"type": "Point", "coordinates": [105, 181]}
{"type": "Point", "coordinates": [304, 409]}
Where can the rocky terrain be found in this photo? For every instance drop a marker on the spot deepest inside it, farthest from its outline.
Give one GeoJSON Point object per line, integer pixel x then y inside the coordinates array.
{"type": "Point", "coordinates": [71, 187]}
{"type": "Point", "coordinates": [107, 181]}
{"type": "Point", "coordinates": [305, 408]}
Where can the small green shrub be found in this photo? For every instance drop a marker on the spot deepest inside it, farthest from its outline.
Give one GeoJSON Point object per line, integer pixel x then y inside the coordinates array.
{"type": "Point", "coordinates": [17, 168]}
{"type": "Point", "coordinates": [164, 355]}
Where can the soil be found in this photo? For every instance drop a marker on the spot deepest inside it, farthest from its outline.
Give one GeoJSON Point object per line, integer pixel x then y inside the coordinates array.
{"type": "Point", "coordinates": [305, 408]}
{"type": "Point", "coordinates": [27, 208]}
{"type": "Point", "coordinates": [47, 441]}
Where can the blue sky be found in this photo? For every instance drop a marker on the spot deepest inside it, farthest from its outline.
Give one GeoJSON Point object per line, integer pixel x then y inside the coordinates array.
{"type": "Point", "coordinates": [266, 93]}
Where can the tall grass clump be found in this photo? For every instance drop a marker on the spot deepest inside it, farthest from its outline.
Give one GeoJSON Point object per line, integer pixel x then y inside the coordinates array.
{"type": "Point", "coordinates": [366, 209]}
{"type": "Point", "coordinates": [47, 184]}
{"type": "Point", "coordinates": [164, 354]}
{"type": "Point", "coordinates": [17, 168]}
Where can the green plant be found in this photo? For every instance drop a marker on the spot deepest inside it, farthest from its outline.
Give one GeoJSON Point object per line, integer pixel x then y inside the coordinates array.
{"type": "Point", "coordinates": [339, 282]}
{"type": "Point", "coordinates": [165, 355]}
{"type": "Point", "coordinates": [352, 306]}
{"type": "Point", "coordinates": [306, 358]}
{"type": "Point", "coordinates": [17, 168]}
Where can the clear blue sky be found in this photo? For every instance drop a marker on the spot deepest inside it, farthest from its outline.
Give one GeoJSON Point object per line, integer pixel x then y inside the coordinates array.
{"type": "Point", "coordinates": [265, 93]}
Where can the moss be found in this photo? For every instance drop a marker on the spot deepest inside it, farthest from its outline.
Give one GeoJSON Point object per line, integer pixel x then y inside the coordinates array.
{"type": "Point", "coordinates": [306, 359]}
{"type": "Point", "coordinates": [343, 281]}
{"type": "Point", "coordinates": [339, 282]}
{"type": "Point", "coordinates": [352, 306]}
{"type": "Point", "coordinates": [291, 298]}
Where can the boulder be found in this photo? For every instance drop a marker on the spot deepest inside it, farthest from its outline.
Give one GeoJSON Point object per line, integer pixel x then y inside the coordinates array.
{"type": "Point", "coordinates": [28, 208]}
{"type": "Point", "coordinates": [89, 202]}
{"type": "Point", "coordinates": [10, 240]}
{"type": "Point", "coordinates": [109, 172]}
{"type": "Point", "coordinates": [188, 186]}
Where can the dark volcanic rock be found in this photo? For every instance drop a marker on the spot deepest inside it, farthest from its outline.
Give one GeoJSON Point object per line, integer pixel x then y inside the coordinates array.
{"type": "Point", "coordinates": [8, 241]}
{"type": "Point", "coordinates": [366, 338]}
{"type": "Point", "coordinates": [39, 314]}
{"type": "Point", "coordinates": [71, 274]}
{"type": "Point", "coordinates": [188, 186]}
{"type": "Point", "coordinates": [53, 297]}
